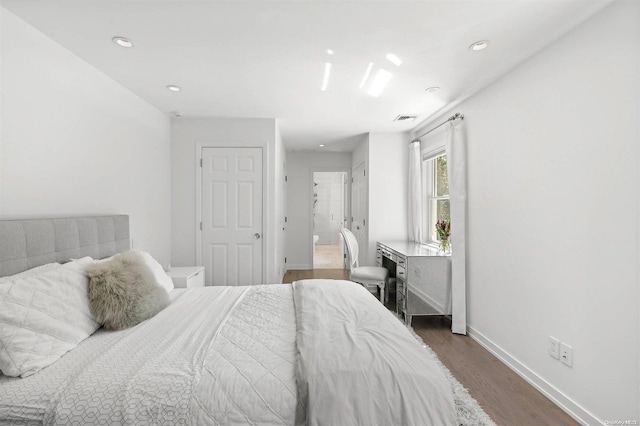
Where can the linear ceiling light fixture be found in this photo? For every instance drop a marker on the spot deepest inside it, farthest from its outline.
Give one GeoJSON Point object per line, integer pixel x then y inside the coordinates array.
{"type": "Point", "coordinates": [479, 45]}
{"type": "Point", "coordinates": [432, 89]}
{"type": "Point", "coordinates": [394, 59]}
{"type": "Point", "coordinates": [380, 81]}
{"type": "Point", "coordinates": [122, 41]}
{"type": "Point", "coordinates": [325, 78]}
{"type": "Point", "coordinates": [366, 75]}
{"type": "Point", "coordinates": [173, 88]}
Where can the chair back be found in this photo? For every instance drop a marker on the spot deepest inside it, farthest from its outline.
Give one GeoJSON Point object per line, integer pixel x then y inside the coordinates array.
{"type": "Point", "coordinates": [352, 247]}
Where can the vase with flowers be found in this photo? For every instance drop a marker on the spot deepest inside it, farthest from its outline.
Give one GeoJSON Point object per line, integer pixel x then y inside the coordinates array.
{"type": "Point", "coordinates": [443, 227]}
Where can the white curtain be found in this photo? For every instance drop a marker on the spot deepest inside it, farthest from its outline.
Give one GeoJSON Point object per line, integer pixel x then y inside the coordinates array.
{"type": "Point", "coordinates": [415, 219]}
{"type": "Point", "coordinates": [456, 149]}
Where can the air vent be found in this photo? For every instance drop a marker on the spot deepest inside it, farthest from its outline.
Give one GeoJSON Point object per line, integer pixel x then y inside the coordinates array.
{"type": "Point", "coordinates": [406, 117]}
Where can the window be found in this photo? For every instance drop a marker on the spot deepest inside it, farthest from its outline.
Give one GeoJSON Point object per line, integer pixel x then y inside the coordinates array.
{"type": "Point", "coordinates": [436, 188]}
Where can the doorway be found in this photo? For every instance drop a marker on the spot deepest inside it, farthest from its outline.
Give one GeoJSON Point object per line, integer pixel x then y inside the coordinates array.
{"type": "Point", "coordinates": [329, 214]}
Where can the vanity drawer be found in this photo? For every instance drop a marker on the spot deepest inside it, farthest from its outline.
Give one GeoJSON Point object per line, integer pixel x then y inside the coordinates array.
{"type": "Point", "coordinates": [385, 252]}
{"type": "Point", "coordinates": [401, 272]}
{"type": "Point", "coordinates": [401, 287]}
{"type": "Point", "coordinates": [401, 261]}
{"type": "Point", "coordinates": [400, 304]}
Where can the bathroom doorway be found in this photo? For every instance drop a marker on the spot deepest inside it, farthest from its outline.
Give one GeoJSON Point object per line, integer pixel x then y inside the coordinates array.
{"type": "Point", "coordinates": [329, 214]}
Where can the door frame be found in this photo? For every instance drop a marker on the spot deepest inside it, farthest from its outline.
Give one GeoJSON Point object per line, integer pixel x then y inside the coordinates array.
{"type": "Point", "coordinates": [347, 201]}
{"type": "Point", "coordinates": [266, 233]}
{"type": "Point", "coordinates": [362, 256]}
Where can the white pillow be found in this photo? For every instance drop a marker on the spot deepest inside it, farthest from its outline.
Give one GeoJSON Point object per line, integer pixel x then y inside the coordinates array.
{"type": "Point", "coordinates": [161, 276]}
{"type": "Point", "coordinates": [30, 272]}
{"type": "Point", "coordinates": [42, 317]}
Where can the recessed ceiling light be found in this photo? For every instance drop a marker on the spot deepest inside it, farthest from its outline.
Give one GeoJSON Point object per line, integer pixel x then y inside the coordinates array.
{"type": "Point", "coordinates": [321, 145]}
{"type": "Point", "coordinates": [479, 45]}
{"type": "Point", "coordinates": [174, 88]}
{"type": "Point", "coordinates": [325, 78]}
{"type": "Point", "coordinates": [380, 81]}
{"type": "Point", "coordinates": [122, 41]}
{"type": "Point", "coordinates": [366, 75]}
{"type": "Point", "coordinates": [394, 59]}
{"type": "Point", "coordinates": [329, 52]}
{"type": "Point", "coordinates": [432, 89]}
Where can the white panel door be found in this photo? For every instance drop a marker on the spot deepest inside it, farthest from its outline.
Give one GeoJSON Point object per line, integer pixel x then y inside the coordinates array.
{"type": "Point", "coordinates": [232, 215]}
{"type": "Point", "coordinates": [359, 209]}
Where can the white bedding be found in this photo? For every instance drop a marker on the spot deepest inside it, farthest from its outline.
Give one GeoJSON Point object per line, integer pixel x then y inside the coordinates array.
{"type": "Point", "coordinates": [228, 355]}
{"type": "Point", "coordinates": [44, 313]}
{"type": "Point", "coordinates": [359, 365]}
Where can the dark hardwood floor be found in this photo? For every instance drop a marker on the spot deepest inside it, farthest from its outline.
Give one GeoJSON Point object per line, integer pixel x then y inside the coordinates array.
{"type": "Point", "coordinates": [335, 274]}
{"type": "Point", "coordinates": [507, 398]}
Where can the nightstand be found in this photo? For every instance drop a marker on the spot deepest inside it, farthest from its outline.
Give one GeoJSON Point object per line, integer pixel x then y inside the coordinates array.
{"type": "Point", "coordinates": [187, 276]}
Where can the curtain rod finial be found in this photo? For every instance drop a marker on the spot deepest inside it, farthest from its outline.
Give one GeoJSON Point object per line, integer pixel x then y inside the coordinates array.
{"type": "Point", "coordinates": [455, 116]}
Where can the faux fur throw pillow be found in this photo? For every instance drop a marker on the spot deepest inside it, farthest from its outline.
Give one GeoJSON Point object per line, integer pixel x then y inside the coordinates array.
{"type": "Point", "coordinates": [123, 291]}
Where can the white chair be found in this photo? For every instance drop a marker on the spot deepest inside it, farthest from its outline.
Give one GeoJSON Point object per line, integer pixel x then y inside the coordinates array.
{"type": "Point", "coordinates": [373, 278]}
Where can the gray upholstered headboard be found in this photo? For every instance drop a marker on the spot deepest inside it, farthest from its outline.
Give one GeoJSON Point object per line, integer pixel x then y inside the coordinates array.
{"type": "Point", "coordinates": [25, 244]}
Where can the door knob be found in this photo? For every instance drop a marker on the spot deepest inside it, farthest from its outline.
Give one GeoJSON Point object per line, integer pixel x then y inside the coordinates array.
{"type": "Point", "coordinates": [257, 236]}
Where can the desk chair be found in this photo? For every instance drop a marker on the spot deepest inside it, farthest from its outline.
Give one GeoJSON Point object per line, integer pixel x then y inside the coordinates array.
{"type": "Point", "coordinates": [373, 278]}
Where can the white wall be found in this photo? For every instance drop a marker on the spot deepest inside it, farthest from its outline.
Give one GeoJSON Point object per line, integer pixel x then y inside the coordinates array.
{"type": "Point", "coordinates": [388, 173]}
{"type": "Point", "coordinates": [74, 142]}
{"type": "Point", "coordinates": [1, 133]}
{"type": "Point", "coordinates": [186, 134]}
{"type": "Point", "coordinates": [360, 153]}
{"type": "Point", "coordinates": [300, 166]}
{"type": "Point", "coordinates": [553, 215]}
{"type": "Point", "coordinates": [386, 162]}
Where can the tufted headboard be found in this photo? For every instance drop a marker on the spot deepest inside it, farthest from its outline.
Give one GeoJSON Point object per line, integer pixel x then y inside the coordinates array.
{"type": "Point", "coordinates": [25, 244]}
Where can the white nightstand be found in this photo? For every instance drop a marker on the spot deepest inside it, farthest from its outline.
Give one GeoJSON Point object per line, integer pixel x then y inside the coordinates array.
{"type": "Point", "coordinates": [187, 276]}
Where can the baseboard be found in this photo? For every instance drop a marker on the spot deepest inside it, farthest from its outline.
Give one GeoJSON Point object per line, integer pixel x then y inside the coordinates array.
{"type": "Point", "coordinates": [292, 267]}
{"type": "Point", "coordinates": [554, 394]}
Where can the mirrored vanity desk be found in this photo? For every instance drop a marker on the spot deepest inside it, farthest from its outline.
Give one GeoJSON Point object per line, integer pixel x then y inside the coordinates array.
{"type": "Point", "coordinates": [423, 277]}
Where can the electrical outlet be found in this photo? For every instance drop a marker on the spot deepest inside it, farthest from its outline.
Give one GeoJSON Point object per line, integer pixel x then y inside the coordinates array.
{"type": "Point", "coordinates": [566, 354]}
{"type": "Point", "coordinates": [553, 346]}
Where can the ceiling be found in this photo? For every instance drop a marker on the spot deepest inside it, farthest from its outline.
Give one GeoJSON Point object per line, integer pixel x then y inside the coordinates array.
{"type": "Point", "coordinates": [267, 58]}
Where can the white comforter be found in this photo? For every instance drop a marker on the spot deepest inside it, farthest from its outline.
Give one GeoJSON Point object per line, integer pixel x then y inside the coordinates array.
{"type": "Point", "coordinates": [359, 365]}
{"type": "Point", "coordinates": [320, 352]}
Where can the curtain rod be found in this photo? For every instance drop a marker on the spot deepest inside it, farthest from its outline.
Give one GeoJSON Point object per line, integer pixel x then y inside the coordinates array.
{"type": "Point", "coordinates": [455, 116]}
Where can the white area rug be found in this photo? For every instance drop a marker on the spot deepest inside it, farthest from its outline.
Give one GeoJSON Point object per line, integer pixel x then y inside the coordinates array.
{"type": "Point", "coordinates": [468, 410]}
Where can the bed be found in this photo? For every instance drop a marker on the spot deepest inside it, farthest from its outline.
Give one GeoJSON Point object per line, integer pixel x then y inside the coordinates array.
{"type": "Point", "coordinates": [315, 352]}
